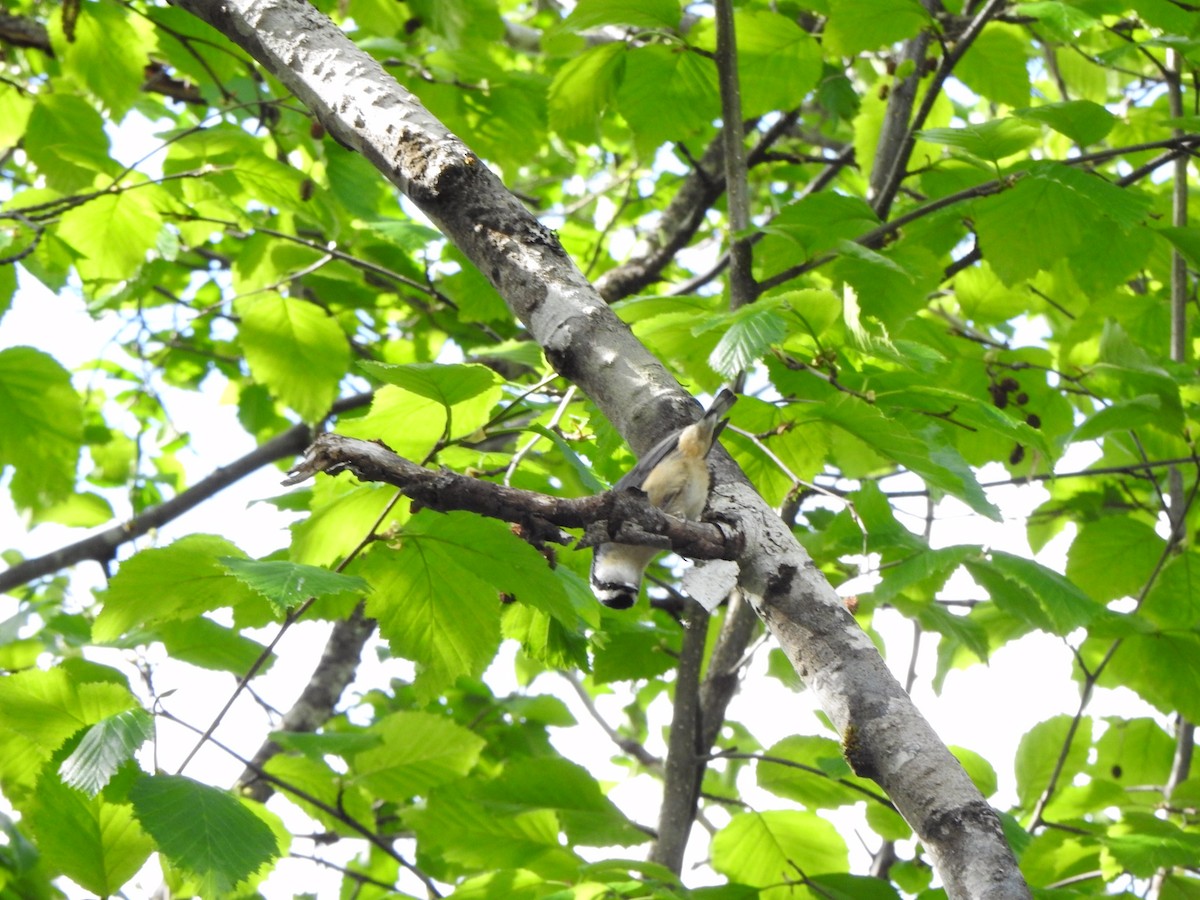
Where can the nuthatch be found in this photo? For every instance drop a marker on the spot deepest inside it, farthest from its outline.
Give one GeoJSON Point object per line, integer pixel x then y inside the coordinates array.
{"type": "Point", "coordinates": [674, 477]}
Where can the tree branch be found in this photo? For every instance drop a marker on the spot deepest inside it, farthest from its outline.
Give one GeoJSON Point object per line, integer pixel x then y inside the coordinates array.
{"type": "Point", "coordinates": [899, 161]}
{"type": "Point", "coordinates": [685, 762]}
{"type": "Point", "coordinates": [102, 547]}
{"type": "Point", "coordinates": [624, 516]}
{"type": "Point", "coordinates": [331, 676]}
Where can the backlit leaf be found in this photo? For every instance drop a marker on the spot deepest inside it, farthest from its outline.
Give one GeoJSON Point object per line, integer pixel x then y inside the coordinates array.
{"type": "Point", "coordinates": [203, 830]}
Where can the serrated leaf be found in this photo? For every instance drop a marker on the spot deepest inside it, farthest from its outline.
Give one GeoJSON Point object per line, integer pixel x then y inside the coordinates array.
{"type": "Point", "coordinates": [934, 460]}
{"type": "Point", "coordinates": [48, 707]}
{"type": "Point", "coordinates": [418, 751]}
{"type": "Point", "coordinates": [1142, 844]}
{"type": "Point", "coordinates": [583, 89]}
{"type": "Point", "coordinates": [293, 348]}
{"type": "Point", "coordinates": [758, 848]}
{"type": "Point", "coordinates": [317, 746]}
{"type": "Point", "coordinates": [103, 748]}
{"type": "Point", "coordinates": [995, 66]}
{"type": "Point", "coordinates": [316, 779]}
{"type": "Point", "coordinates": [163, 583]}
{"type": "Point", "coordinates": [1034, 593]}
{"type": "Point", "coordinates": [1082, 121]}
{"type": "Point", "coordinates": [992, 140]}
{"type": "Point", "coordinates": [96, 843]}
{"type": "Point", "coordinates": [288, 584]}
{"type": "Point", "coordinates": [1029, 227]}
{"type": "Point", "coordinates": [778, 61]}
{"type": "Point", "coordinates": [106, 53]}
{"type": "Point", "coordinates": [465, 831]}
{"type": "Point", "coordinates": [203, 830]}
{"type": "Point", "coordinates": [752, 331]}
{"type": "Point", "coordinates": [820, 777]}
{"type": "Point", "coordinates": [112, 235]}
{"type": "Point", "coordinates": [43, 426]}
{"type": "Point", "coordinates": [667, 94]}
{"type": "Point", "coordinates": [448, 384]}
{"type": "Point", "coordinates": [66, 140]}
{"type": "Point", "coordinates": [584, 813]}
{"type": "Point", "coordinates": [437, 598]}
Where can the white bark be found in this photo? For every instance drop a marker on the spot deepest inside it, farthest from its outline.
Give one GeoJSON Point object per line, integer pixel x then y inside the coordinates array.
{"type": "Point", "coordinates": [883, 734]}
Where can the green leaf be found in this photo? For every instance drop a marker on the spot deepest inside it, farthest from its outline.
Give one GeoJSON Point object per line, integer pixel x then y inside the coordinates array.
{"type": "Point", "coordinates": [820, 779]}
{"type": "Point", "coordinates": [202, 642]}
{"type": "Point", "coordinates": [858, 25]}
{"type": "Point", "coordinates": [287, 584]}
{"type": "Point", "coordinates": [1142, 844]}
{"type": "Point", "coordinates": [1174, 599]}
{"type": "Point", "coordinates": [1113, 557]}
{"type": "Point", "coordinates": [1039, 751]}
{"type": "Point", "coordinates": [1082, 121]}
{"type": "Point", "coordinates": [106, 53]}
{"type": "Point", "coordinates": [48, 707]}
{"type": "Point", "coordinates": [667, 94]}
{"type": "Point", "coordinates": [979, 769]}
{"type": "Point", "coordinates": [752, 331]}
{"type": "Point", "coordinates": [993, 140]}
{"type": "Point", "coordinates": [995, 66]}
{"type": "Point", "coordinates": [111, 235]}
{"type": "Point", "coordinates": [1133, 752]}
{"type": "Point", "coordinates": [437, 598]}
{"type": "Point", "coordinates": [104, 748]}
{"type": "Point", "coordinates": [641, 13]}
{"type": "Point", "coordinates": [760, 848]}
{"type": "Point", "coordinates": [412, 424]}
{"type": "Point", "coordinates": [43, 426]}
{"type": "Point", "coordinates": [1122, 415]}
{"type": "Point", "coordinates": [179, 581]}
{"type": "Point", "coordinates": [1185, 240]}
{"type": "Point", "coordinates": [641, 652]}
{"type": "Point", "coordinates": [79, 510]}
{"type": "Point", "coordinates": [203, 830]}
{"type": "Point", "coordinates": [448, 384]}
{"type": "Point", "coordinates": [934, 460]}
{"type": "Point", "coordinates": [67, 143]}
{"type": "Point", "coordinates": [814, 224]}
{"type": "Point", "coordinates": [1163, 668]}
{"type": "Point", "coordinates": [583, 89]}
{"type": "Point", "coordinates": [1031, 591]}
{"type": "Point", "coordinates": [295, 349]}
{"type": "Point", "coordinates": [315, 778]}
{"type": "Point", "coordinates": [584, 813]}
{"type": "Point", "coordinates": [418, 751]}
{"type": "Point", "coordinates": [96, 843]}
{"type": "Point", "coordinates": [317, 746]}
{"type": "Point", "coordinates": [466, 831]}
{"type": "Point", "coordinates": [1044, 217]}
{"type": "Point", "coordinates": [852, 887]}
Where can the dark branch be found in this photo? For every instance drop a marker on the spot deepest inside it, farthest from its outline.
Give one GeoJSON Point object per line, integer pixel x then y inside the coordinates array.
{"type": "Point", "coordinates": [625, 517]}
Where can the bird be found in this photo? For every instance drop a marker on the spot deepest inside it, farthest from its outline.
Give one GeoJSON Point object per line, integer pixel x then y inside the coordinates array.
{"type": "Point", "coordinates": [674, 477]}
